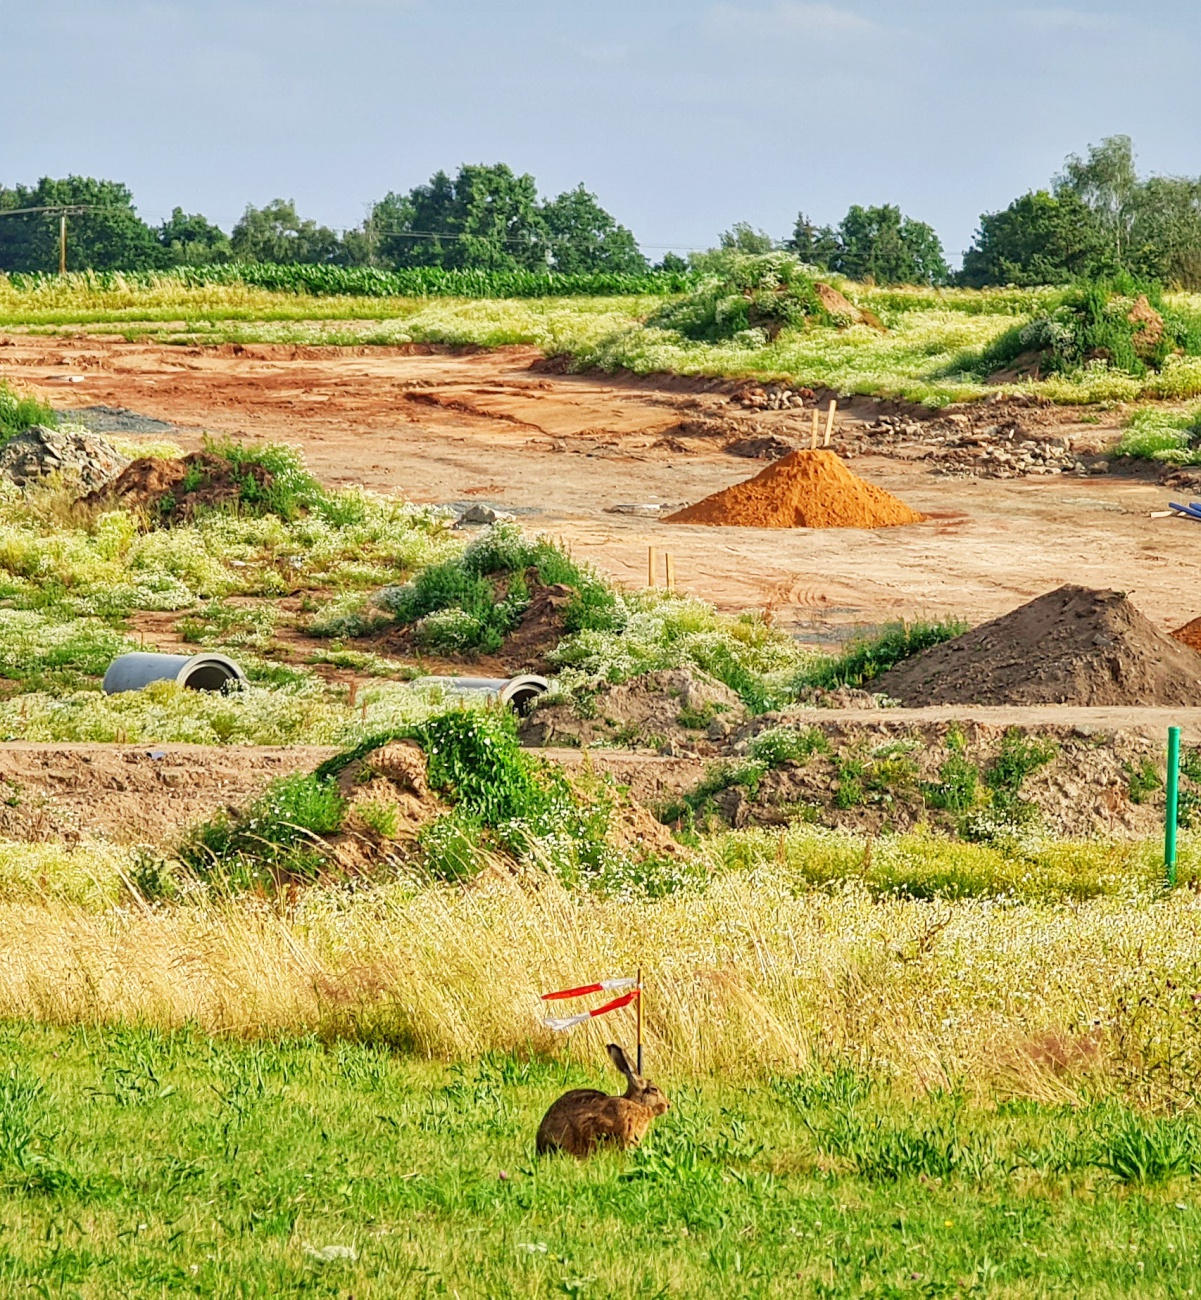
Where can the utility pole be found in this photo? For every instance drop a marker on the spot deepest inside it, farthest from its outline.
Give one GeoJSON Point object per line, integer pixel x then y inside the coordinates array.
{"type": "Point", "coordinates": [62, 243]}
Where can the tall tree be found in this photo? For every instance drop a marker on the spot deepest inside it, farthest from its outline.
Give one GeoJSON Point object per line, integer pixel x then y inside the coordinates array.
{"type": "Point", "coordinates": [276, 233]}
{"type": "Point", "coordinates": [884, 245]}
{"type": "Point", "coordinates": [1106, 182]}
{"type": "Point", "coordinates": [485, 217]}
{"type": "Point", "coordinates": [583, 237]}
{"type": "Point", "coordinates": [817, 245]}
{"type": "Point", "coordinates": [106, 235]}
{"type": "Point", "coordinates": [1165, 233]}
{"type": "Point", "coordinates": [191, 240]}
{"type": "Point", "coordinates": [1040, 238]}
{"type": "Point", "coordinates": [744, 238]}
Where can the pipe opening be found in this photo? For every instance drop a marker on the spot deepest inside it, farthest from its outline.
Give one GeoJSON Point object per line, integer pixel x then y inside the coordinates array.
{"type": "Point", "coordinates": [521, 698]}
{"type": "Point", "coordinates": [209, 676]}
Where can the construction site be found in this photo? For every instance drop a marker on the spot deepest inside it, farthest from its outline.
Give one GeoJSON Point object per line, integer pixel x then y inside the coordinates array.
{"type": "Point", "coordinates": [835, 518]}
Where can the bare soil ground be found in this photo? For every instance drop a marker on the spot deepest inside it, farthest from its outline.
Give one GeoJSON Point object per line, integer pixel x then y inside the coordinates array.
{"type": "Point", "coordinates": [503, 428]}
{"type": "Point", "coordinates": [506, 429]}
{"type": "Point", "coordinates": [132, 794]}
{"type": "Point", "coordinates": [149, 794]}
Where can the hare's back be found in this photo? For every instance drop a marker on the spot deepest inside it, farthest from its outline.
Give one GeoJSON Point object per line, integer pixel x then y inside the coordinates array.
{"type": "Point", "coordinates": [584, 1117]}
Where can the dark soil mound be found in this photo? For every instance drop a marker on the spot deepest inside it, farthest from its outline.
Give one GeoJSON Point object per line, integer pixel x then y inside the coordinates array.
{"type": "Point", "coordinates": [1071, 646]}
{"type": "Point", "coordinates": [171, 490]}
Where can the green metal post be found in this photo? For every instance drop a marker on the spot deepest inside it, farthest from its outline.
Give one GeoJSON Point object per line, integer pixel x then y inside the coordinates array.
{"type": "Point", "coordinates": [1169, 839]}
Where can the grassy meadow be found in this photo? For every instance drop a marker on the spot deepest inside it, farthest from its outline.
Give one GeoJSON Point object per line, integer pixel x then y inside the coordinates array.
{"type": "Point", "coordinates": [872, 1092]}
{"type": "Point", "coordinates": [930, 351]}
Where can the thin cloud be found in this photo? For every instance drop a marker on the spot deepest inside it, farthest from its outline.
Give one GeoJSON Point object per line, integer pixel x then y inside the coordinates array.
{"type": "Point", "coordinates": [1063, 20]}
{"type": "Point", "coordinates": [805, 20]}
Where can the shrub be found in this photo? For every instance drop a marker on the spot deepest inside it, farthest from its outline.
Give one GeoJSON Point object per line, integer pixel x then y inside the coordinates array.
{"type": "Point", "coordinates": [779, 745]}
{"type": "Point", "coordinates": [1092, 325]}
{"type": "Point", "coordinates": [957, 787]}
{"type": "Point", "coordinates": [291, 491]}
{"type": "Point", "coordinates": [278, 834]}
{"type": "Point", "coordinates": [20, 413]}
{"type": "Point", "coordinates": [741, 292]}
{"type": "Point", "coordinates": [470, 602]}
{"type": "Point", "coordinates": [1166, 436]}
{"type": "Point", "coordinates": [866, 658]}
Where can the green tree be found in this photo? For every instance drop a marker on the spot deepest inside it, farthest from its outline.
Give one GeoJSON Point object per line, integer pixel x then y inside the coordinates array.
{"type": "Point", "coordinates": [1165, 233]}
{"type": "Point", "coordinates": [485, 217]}
{"type": "Point", "coordinates": [817, 245]}
{"type": "Point", "coordinates": [276, 233]}
{"type": "Point", "coordinates": [744, 238]}
{"type": "Point", "coordinates": [188, 239]}
{"type": "Point", "coordinates": [583, 237]}
{"type": "Point", "coordinates": [107, 235]}
{"type": "Point", "coordinates": [1040, 238]}
{"type": "Point", "coordinates": [1107, 184]}
{"type": "Point", "coordinates": [884, 245]}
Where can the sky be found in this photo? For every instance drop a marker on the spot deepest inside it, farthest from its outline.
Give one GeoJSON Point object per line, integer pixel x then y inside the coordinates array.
{"type": "Point", "coordinates": [683, 116]}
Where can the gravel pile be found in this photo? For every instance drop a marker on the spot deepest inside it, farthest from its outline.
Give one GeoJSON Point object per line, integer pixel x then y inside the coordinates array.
{"type": "Point", "coordinates": [966, 446]}
{"type": "Point", "coordinates": [76, 453]}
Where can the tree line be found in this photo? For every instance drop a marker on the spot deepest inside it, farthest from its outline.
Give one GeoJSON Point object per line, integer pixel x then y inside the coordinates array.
{"type": "Point", "coordinates": [1096, 219]}
{"type": "Point", "coordinates": [485, 218]}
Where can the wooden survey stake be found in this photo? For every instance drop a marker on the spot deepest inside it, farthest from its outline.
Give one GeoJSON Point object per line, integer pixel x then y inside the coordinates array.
{"type": "Point", "coordinates": [830, 421]}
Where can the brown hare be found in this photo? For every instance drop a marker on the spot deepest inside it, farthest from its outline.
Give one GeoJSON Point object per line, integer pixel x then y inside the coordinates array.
{"type": "Point", "coordinates": [583, 1117]}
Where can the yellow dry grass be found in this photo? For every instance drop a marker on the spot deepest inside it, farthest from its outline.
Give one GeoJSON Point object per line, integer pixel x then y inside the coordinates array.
{"type": "Point", "coordinates": [745, 979]}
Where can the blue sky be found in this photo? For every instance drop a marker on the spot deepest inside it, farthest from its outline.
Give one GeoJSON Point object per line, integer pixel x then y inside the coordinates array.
{"type": "Point", "coordinates": [683, 115]}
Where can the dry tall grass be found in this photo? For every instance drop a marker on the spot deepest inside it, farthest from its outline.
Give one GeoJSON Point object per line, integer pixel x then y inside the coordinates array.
{"type": "Point", "coordinates": [744, 979]}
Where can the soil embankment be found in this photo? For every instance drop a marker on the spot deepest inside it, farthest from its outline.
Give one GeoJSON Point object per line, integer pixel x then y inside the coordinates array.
{"type": "Point", "coordinates": [1074, 645]}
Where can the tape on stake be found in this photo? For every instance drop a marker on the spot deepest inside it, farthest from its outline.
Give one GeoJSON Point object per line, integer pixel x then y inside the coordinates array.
{"type": "Point", "coordinates": [560, 1023]}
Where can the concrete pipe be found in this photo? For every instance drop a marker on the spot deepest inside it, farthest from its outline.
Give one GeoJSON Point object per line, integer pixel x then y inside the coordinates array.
{"type": "Point", "coordinates": [519, 693]}
{"type": "Point", "coordinates": [204, 672]}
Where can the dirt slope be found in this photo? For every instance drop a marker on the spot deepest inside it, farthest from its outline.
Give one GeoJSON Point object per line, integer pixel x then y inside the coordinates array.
{"type": "Point", "coordinates": [1074, 645]}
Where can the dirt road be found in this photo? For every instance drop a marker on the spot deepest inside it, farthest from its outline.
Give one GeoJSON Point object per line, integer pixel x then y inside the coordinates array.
{"type": "Point", "coordinates": [562, 450]}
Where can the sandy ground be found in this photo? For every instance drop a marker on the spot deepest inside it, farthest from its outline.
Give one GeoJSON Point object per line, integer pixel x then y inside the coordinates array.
{"type": "Point", "coordinates": [561, 450]}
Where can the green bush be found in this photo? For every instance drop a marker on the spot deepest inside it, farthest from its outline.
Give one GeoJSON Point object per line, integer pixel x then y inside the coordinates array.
{"type": "Point", "coordinates": [279, 834]}
{"type": "Point", "coordinates": [292, 491]}
{"type": "Point", "coordinates": [1091, 325]}
{"type": "Point", "coordinates": [766, 292]}
{"type": "Point", "coordinates": [20, 413]}
{"type": "Point", "coordinates": [866, 658]}
{"type": "Point", "coordinates": [779, 745]}
{"type": "Point", "coordinates": [1171, 437]}
{"type": "Point", "coordinates": [957, 787]}
{"type": "Point", "coordinates": [471, 602]}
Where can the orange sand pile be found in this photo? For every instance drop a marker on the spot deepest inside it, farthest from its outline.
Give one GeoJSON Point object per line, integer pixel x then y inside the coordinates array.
{"type": "Point", "coordinates": [807, 489]}
{"type": "Point", "coordinates": [1190, 634]}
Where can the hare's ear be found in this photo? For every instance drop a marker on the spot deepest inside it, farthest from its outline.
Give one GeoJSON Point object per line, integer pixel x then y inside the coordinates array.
{"type": "Point", "coordinates": [618, 1057]}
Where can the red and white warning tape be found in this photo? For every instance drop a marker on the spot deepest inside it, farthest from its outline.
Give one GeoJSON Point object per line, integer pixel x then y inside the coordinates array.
{"type": "Point", "coordinates": [601, 986]}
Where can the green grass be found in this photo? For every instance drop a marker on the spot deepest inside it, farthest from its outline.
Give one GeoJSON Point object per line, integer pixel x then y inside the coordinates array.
{"type": "Point", "coordinates": [136, 1163]}
{"type": "Point", "coordinates": [865, 658]}
{"type": "Point", "coordinates": [18, 413]}
{"type": "Point", "coordinates": [1171, 437]}
{"type": "Point", "coordinates": [927, 864]}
